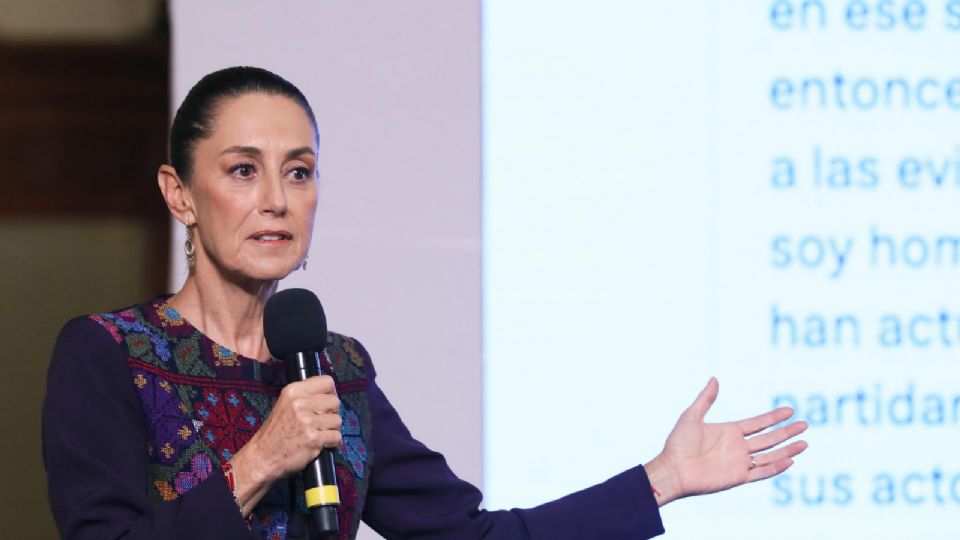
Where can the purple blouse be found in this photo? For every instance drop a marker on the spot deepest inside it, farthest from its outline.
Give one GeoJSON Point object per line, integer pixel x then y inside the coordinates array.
{"type": "Point", "coordinates": [141, 408]}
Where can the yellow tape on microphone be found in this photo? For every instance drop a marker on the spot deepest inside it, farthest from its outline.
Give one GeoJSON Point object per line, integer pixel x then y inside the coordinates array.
{"type": "Point", "coordinates": [322, 495]}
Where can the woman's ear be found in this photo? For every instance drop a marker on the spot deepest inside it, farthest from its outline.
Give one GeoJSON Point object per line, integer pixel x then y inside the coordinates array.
{"type": "Point", "coordinates": [176, 195]}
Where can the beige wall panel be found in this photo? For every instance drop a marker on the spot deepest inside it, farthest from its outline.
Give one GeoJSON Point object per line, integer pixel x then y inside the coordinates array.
{"type": "Point", "coordinates": [396, 248]}
{"type": "Point", "coordinates": [53, 269]}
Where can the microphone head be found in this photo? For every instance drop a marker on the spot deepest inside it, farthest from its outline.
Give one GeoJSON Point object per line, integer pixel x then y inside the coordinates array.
{"type": "Point", "coordinates": [293, 321]}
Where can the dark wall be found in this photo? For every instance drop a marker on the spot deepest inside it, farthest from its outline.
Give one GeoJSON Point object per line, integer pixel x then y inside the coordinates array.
{"type": "Point", "coordinates": [82, 225]}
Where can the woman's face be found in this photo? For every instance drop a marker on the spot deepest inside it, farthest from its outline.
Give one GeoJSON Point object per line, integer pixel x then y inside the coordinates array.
{"type": "Point", "coordinates": [254, 188]}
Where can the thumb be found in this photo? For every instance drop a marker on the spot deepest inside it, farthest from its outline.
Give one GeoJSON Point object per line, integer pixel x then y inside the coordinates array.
{"type": "Point", "coordinates": [700, 406]}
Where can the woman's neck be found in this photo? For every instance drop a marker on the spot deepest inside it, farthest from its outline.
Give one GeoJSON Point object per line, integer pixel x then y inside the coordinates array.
{"type": "Point", "coordinates": [230, 314]}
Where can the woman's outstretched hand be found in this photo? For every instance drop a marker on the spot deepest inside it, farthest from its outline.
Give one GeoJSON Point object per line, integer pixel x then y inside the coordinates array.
{"type": "Point", "coordinates": [701, 458]}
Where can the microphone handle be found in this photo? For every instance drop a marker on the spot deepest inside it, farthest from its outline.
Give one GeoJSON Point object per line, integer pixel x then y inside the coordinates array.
{"type": "Point", "coordinates": [323, 515]}
{"type": "Point", "coordinates": [319, 477]}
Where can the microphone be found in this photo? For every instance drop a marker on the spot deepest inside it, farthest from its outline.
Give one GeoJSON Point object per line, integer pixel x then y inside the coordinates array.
{"type": "Point", "coordinates": [295, 328]}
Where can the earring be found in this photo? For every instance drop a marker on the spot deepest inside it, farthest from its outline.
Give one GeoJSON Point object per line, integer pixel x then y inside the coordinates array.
{"type": "Point", "coordinates": [304, 265]}
{"type": "Point", "coordinates": [188, 248]}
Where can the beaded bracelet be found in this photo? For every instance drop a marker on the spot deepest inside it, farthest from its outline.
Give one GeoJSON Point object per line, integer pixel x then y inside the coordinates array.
{"type": "Point", "coordinates": [227, 469]}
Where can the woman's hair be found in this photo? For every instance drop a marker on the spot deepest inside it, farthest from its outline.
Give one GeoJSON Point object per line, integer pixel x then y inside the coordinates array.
{"type": "Point", "coordinates": [194, 119]}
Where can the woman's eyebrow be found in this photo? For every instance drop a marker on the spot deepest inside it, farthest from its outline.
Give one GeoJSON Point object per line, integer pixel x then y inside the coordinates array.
{"type": "Point", "coordinates": [252, 150]}
{"type": "Point", "coordinates": [299, 152]}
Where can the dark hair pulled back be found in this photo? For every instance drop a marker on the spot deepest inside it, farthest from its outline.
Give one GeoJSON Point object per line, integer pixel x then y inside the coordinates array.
{"type": "Point", "coordinates": [194, 119]}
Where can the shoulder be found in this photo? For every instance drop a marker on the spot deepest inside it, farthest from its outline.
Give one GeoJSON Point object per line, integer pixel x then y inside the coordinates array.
{"type": "Point", "coordinates": [349, 359]}
{"type": "Point", "coordinates": [81, 335]}
{"type": "Point", "coordinates": [94, 340]}
{"type": "Point", "coordinates": [87, 369]}
{"type": "Point", "coordinates": [135, 318]}
{"type": "Point", "coordinates": [98, 326]}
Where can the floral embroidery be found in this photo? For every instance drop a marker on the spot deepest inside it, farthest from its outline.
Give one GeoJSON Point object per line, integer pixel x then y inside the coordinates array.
{"type": "Point", "coordinates": [110, 328]}
{"type": "Point", "coordinates": [274, 525]}
{"type": "Point", "coordinates": [189, 360]}
{"type": "Point", "coordinates": [352, 446]}
{"type": "Point", "coordinates": [167, 450]}
{"type": "Point", "coordinates": [126, 320]}
{"type": "Point", "coordinates": [170, 316]}
{"type": "Point", "coordinates": [352, 354]}
{"type": "Point", "coordinates": [166, 491]}
{"type": "Point", "coordinates": [224, 356]}
{"type": "Point", "coordinates": [139, 344]}
{"type": "Point", "coordinates": [184, 381]}
{"type": "Point", "coordinates": [227, 422]}
{"type": "Point", "coordinates": [348, 500]}
{"type": "Point", "coordinates": [200, 468]}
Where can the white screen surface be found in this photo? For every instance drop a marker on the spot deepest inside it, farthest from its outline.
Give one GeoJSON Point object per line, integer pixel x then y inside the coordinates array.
{"type": "Point", "coordinates": [761, 191]}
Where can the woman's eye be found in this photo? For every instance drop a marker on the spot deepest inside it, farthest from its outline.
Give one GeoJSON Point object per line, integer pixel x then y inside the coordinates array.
{"type": "Point", "coordinates": [243, 170]}
{"type": "Point", "coordinates": [301, 173]}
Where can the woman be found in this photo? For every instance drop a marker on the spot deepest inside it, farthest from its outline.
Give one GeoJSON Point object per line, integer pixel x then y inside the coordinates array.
{"type": "Point", "coordinates": [170, 419]}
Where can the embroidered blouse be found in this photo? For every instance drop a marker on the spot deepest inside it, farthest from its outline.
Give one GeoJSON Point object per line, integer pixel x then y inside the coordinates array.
{"type": "Point", "coordinates": [141, 409]}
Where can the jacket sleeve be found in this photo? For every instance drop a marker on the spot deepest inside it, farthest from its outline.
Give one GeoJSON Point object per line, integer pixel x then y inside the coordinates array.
{"type": "Point", "coordinates": [94, 450]}
{"type": "Point", "coordinates": [413, 494]}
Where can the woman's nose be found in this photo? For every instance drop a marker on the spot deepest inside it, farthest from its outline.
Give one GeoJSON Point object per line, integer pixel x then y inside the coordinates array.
{"type": "Point", "coordinates": [273, 196]}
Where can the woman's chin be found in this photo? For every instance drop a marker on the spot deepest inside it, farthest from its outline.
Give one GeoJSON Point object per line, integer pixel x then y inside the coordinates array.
{"type": "Point", "coordinates": [274, 271]}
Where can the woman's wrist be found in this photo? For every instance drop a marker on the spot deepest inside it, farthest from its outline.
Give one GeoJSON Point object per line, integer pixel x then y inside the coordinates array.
{"type": "Point", "coordinates": [663, 480]}
{"type": "Point", "coordinates": [250, 482]}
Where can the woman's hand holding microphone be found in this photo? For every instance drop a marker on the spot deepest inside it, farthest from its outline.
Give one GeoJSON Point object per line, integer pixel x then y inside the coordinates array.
{"type": "Point", "coordinates": [304, 420]}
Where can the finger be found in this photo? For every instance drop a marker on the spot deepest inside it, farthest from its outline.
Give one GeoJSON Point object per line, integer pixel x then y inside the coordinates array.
{"type": "Point", "coordinates": [775, 437]}
{"type": "Point", "coordinates": [319, 439]}
{"type": "Point", "coordinates": [771, 469]}
{"type": "Point", "coordinates": [333, 439]}
{"type": "Point", "coordinates": [326, 422]}
{"type": "Point", "coordinates": [321, 385]}
{"type": "Point", "coordinates": [321, 404]}
{"type": "Point", "coordinates": [306, 409]}
{"type": "Point", "coordinates": [700, 406]}
{"type": "Point", "coordinates": [763, 421]}
{"type": "Point", "coordinates": [311, 386]}
{"type": "Point", "coordinates": [773, 463]}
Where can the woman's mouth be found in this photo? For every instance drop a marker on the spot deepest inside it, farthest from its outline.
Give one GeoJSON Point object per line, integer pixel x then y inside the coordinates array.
{"type": "Point", "coordinates": [272, 236]}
